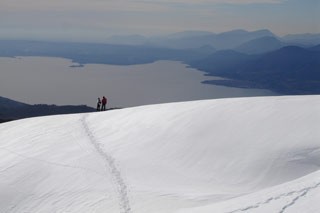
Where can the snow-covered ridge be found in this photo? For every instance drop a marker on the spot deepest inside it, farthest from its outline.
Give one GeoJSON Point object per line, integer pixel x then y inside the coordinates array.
{"type": "Point", "coordinates": [227, 155]}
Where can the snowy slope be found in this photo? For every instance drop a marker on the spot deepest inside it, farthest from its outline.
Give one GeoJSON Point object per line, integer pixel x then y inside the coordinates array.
{"type": "Point", "coordinates": [228, 155]}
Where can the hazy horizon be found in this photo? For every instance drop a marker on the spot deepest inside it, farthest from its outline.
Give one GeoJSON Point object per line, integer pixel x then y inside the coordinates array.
{"type": "Point", "coordinates": [95, 20]}
{"type": "Point", "coordinates": [108, 39]}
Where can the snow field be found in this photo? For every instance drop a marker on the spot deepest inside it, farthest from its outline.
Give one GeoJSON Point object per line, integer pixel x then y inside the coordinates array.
{"type": "Point", "coordinates": [226, 155]}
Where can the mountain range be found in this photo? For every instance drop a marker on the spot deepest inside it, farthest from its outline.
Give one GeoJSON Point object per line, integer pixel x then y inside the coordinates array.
{"type": "Point", "coordinates": [307, 38]}
{"type": "Point", "coordinates": [257, 59]}
{"type": "Point", "coordinates": [289, 70]}
{"type": "Point", "coordinates": [261, 45]}
{"type": "Point", "coordinates": [194, 39]}
{"type": "Point", "coordinates": [226, 40]}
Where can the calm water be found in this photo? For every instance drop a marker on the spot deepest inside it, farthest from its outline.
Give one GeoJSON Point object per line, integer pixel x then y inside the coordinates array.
{"type": "Point", "coordinates": [49, 80]}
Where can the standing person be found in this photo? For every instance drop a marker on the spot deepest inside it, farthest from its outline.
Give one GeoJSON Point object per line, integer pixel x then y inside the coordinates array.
{"type": "Point", "coordinates": [98, 104]}
{"type": "Point", "coordinates": [104, 102]}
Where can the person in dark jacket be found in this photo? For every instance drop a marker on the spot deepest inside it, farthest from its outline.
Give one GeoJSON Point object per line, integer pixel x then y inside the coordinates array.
{"type": "Point", "coordinates": [104, 102]}
{"type": "Point", "coordinates": [98, 104]}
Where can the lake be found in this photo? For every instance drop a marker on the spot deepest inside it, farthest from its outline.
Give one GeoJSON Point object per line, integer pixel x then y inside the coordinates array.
{"type": "Point", "coordinates": [49, 80]}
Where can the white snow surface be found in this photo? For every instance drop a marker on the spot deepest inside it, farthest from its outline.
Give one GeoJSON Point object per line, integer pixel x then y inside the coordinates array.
{"type": "Point", "coordinates": [225, 155]}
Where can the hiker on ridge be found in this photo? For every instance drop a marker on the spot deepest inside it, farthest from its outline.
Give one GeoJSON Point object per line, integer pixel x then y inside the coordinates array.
{"type": "Point", "coordinates": [98, 104]}
{"type": "Point", "coordinates": [104, 102]}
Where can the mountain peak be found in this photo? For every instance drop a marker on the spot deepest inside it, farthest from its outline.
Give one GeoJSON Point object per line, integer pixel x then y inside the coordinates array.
{"type": "Point", "coordinates": [190, 33]}
{"type": "Point", "coordinates": [260, 45]}
{"type": "Point", "coordinates": [263, 30]}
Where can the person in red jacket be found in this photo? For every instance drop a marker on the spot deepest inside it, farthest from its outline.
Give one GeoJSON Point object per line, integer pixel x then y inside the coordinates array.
{"type": "Point", "coordinates": [104, 102]}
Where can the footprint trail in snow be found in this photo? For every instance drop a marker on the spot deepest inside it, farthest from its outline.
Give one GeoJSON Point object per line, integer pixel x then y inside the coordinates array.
{"type": "Point", "coordinates": [111, 167]}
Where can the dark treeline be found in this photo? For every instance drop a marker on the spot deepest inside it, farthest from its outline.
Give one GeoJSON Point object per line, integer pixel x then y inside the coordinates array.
{"type": "Point", "coordinates": [12, 110]}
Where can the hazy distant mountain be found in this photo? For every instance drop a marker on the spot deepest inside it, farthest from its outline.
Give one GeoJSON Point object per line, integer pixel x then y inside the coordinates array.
{"type": "Point", "coordinates": [183, 42]}
{"type": "Point", "coordinates": [315, 48]}
{"type": "Point", "coordinates": [127, 40]}
{"type": "Point", "coordinates": [186, 34]}
{"type": "Point", "coordinates": [226, 40]}
{"type": "Point", "coordinates": [289, 70]}
{"type": "Point", "coordinates": [232, 39]}
{"type": "Point", "coordinates": [261, 45]}
{"type": "Point", "coordinates": [222, 61]}
{"type": "Point", "coordinates": [195, 39]}
{"type": "Point", "coordinates": [11, 110]}
{"type": "Point", "coordinates": [142, 40]}
{"type": "Point", "coordinates": [252, 34]}
{"type": "Point", "coordinates": [307, 38]}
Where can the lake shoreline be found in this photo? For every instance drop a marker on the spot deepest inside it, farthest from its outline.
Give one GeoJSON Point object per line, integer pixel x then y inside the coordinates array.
{"type": "Point", "coordinates": [61, 81]}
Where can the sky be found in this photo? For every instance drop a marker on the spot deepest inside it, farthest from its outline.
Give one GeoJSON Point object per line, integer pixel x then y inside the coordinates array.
{"type": "Point", "coordinates": [95, 20]}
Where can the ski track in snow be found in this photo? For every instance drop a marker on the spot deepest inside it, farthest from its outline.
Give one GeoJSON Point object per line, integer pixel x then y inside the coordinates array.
{"type": "Point", "coordinates": [303, 192]}
{"type": "Point", "coordinates": [111, 166]}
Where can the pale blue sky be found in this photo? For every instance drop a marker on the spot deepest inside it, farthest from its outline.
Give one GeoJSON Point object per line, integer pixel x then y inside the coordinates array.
{"type": "Point", "coordinates": [94, 20]}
